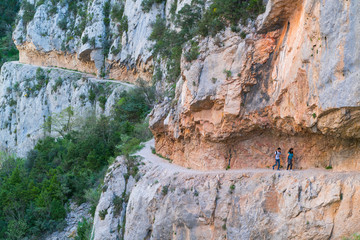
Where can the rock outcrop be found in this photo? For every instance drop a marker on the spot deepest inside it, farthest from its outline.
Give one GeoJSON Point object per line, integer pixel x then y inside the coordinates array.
{"type": "Point", "coordinates": [172, 202]}
{"type": "Point", "coordinates": [102, 37]}
{"type": "Point", "coordinates": [292, 82]}
{"type": "Point", "coordinates": [30, 94]}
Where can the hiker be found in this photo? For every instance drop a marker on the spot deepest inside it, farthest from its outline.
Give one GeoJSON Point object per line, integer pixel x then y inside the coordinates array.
{"type": "Point", "coordinates": [277, 158]}
{"type": "Point", "coordinates": [290, 158]}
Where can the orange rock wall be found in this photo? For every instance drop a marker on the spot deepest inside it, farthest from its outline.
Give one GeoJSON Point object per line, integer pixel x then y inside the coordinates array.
{"type": "Point", "coordinates": [274, 98]}
{"type": "Point", "coordinates": [28, 54]}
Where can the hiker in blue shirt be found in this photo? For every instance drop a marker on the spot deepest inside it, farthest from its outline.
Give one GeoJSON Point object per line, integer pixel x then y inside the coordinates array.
{"type": "Point", "coordinates": [290, 157]}
{"type": "Point", "coordinates": [277, 158]}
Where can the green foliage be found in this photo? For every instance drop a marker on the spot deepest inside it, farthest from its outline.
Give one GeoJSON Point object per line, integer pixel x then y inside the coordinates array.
{"type": "Point", "coordinates": [102, 101]}
{"type": "Point", "coordinates": [147, 4]}
{"type": "Point", "coordinates": [58, 83]}
{"type": "Point", "coordinates": [93, 42]}
{"type": "Point", "coordinates": [221, 13]}
{"type": "Point", "coordinates": [193, 20]}
{"type": "Point", "coordinates": [92, 95]}
{"type": "Point", "coordinates": [232, 188]}
{"type": "Point", "coordinates": [314, 115]}
{"type": "Point", "coordinates": [92, 196]}
{"type": "Point", "coordinates": [118, 205]}
{"type": "Point", "coordinates": [85, 39]}
{"type": "Point", "coordinates": [123, 26]}
{"type": "Point", "coordinates": [83, 230]}
{"type": "Point", "coordinates": [243, 35]}
{"type": "Point", "coordinates": [328, 167]}
{"type": "Point", "coordinates": [228, 73]}
{"type": "Point", "coordinates": [165, 190]}
{"type": "Point", "coordinates": [355, 236]}
{"type": "Point", "coordinates": [117, 13]}
{"type": "Point", "coordinates": [102, 214]}
{"type": "Point", "coordinates": [106, 12]}
{"type": "Point", "coordinates": [62, 24]}
{"type": "Point", "coordinates": [41, 78]}
{"type": "Point", "coordinates": [193, 53]}
{"type": "Point", "coordinates": [34, 191]}
{"type": "Point", "coordinates": [8, 11]}
{"type": "Point", "coordinates": [29, 12]}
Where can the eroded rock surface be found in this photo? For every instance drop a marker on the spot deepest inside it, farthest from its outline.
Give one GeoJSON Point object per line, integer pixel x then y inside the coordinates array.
{"type": "Point", "coordinates": [30, 94]}
{"type": "Point", "coordinates": [172, 202]}
{"type": "Point", "coordinates": [292, 82]}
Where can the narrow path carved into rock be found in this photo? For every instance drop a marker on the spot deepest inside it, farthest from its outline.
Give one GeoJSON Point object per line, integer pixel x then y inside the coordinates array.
{"type": "Point", "coordinates": [159, 162]}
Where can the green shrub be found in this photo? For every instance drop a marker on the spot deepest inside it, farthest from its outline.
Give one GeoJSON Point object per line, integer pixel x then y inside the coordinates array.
{"type": "Point", "coordinates": [243, 35]}
{"type": "Point", "coordinates": [123, 26]}
{"type": "Point", "coordinates": [228, 73]}
{"type": "Point", "coordinates": [221, 13]}
{"type": "Point", "coordinates": [83, 230]}
{"type": "Point", "coordinates": [92, 95]}
{"type": "Point", "coordinates": [106, 12]}
{"type": "Point", "coordinates": [193, 53]}
{"type": "Point", "coordinates": [57, 210]}
{"type": "Point", "coordinates": [117, 202]}
{"type": "Point", "coordinates": [147, 4]}
{"type": "Point", "coordinates": [117, 13]}
{"type": "Point", "coordinates": [39, 3]}
{"type": "Point", "coordinates": [69, 167]}
{"type": "Point", "coordinates": [164, 190]}
{"type": "Point", "coordinates": [232, 188]}
{"type": "Point", "coordinates": [102, 214]}
{"type": "Point", "coordinates": [102, 101]}
{"type": "Point", "coordinates": [93, 42]}
{"type": "Point", "coordinates": [58, 83]}
{"type": "Point", "coordinates": [85, 39]}
{"type": "Point", "coordinates": [62, 24]}
{"type": "Point", "coordinates": [29, 12]}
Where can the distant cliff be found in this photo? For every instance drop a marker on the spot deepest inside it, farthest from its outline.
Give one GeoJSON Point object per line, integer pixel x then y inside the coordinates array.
{"type": "Point", "coordinates": [30, 94]}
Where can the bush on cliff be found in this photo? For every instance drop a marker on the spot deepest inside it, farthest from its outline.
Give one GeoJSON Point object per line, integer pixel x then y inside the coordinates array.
{"type": "Point", "coordinates": [34, 192]}
{"type": "Point", "coordinates": [194, 20]}
{"type": "Point", "coordinates": [8, 11]}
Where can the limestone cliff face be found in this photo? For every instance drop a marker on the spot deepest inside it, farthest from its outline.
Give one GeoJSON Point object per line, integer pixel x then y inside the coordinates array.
{"type": "Point", "coordinates": [292, 82]}
{"type": "Point", "coordinates": [30, 94]}
{"type": "Point", "coordinates": [105, 37]}
{"type": "Point", "coordinates": [83, 35]}
{"type": "Point", "coordinates": [171, 202]}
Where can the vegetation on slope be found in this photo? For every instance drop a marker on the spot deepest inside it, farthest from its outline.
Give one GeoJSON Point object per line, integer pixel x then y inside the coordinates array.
{"type": "Point", "coordinates": [8, 11]}
{"type": "Point", "coordinates": [34, 192]}
{"type": "Point", "coordinates": [196, 20]}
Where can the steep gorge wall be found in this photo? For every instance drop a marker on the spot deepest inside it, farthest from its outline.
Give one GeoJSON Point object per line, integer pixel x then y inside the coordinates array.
{"type": "Point", "coordinates": [30, 94]}
{"type": "Point", "coordinates": [172, 202]}
{"type": "Point", "coordinates": [84, 36]}
{"type": "Point", "coordinates": [292, 82]}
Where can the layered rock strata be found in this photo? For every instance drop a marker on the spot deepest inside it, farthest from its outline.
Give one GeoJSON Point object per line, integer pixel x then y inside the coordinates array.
{"type": "Point", "coordinates": [292, 82]}
{"type": "Point", "coordinates": [100, 37]}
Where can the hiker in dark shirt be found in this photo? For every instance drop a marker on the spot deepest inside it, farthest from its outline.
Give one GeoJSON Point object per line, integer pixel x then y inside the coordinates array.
{"type": "Point", "coordinates": [290, 159]}
{"type": "Point", "coordinates": [277, 158]}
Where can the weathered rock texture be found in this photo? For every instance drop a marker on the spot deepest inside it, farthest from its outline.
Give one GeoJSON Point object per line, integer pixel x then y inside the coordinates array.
{"type": "Point", "coordinates": [292, 82]}
{"type": "Point", "coordinates": [76, 215]}
{"type": "Point", "coordinates": [171, 202]}
{"type": "Point", "coordinates": [77, 37]}
{"type": "Point", "coordinates": [29, 95]}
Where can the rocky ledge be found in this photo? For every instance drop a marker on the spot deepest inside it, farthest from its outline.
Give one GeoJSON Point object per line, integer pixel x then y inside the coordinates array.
{"type": "Point", "coordinates": [291, 82]}
{"type": "Point", "coordinates": [165, 201]}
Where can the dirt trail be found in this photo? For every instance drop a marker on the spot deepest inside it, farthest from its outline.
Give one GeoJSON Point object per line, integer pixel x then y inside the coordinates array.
{"type": "Point", "coordinates": [159, 162]}
{"type": "Point", "coordinates": [88, 75]}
